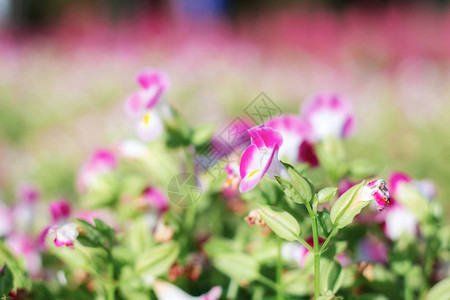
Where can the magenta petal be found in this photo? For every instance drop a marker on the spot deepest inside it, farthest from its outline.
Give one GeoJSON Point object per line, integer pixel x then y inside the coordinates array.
{"type": "Point", "coordinates": [156, 198]}
{"type": "Point", "coordinates": [149, 78]}
{"type": "Point", "coordinates": [395, 179]}
{"type": "Point", "coordinates": [249, 161]}
{"type": "Point", "coordinates": [307, 154]}
{"type": "Point", "coordinates": [349, 127]}
{"type": "Point", "coordinates": [133, 105]}
{"type": "Point", "coordinates": [59, 210]}
{"type": "Point", "coordinates": [265, 137]}
{"type": "Point", "coordinates": [250, 181]}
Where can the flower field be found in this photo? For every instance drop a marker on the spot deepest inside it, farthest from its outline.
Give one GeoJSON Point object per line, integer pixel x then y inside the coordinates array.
{"type": "Point", "coordinates": [287, 155]}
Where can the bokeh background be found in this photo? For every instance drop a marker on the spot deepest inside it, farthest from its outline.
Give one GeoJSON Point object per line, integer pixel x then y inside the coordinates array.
{"type": "Point", "coordinates": [66, 68]}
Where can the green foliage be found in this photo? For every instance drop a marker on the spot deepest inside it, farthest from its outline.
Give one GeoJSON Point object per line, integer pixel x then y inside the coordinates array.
{"type": "Point", "coordinates": [281, 222]}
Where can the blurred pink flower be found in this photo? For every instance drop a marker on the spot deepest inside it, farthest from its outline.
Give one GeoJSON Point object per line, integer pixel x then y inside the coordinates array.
{"type": "Point", "coordinates": [24, 245]}
{"type": "Point", "coordinates": [231, 184]}
{"type": "Point", "coordinates": [296, 134]}
{"type": "Point", "coordinates": [64, 235]}
{"type": "Point", "coordinates": [296, 252]}
{"type": "Point", "coordinates": [372, 250]}
{"type": "Point", "coordinates": [7, 219]}
{"type": "Point", "coordinates": [261, 157]}
{"type": "Point", "coordinates": [60, 210]}
{"type": "Point", "coordinates": [101, 162]}
{"type": "Point", "coordinates": [27, 193]}
{"type": "Point", "coordinates": [328, 115]}
{"type": "Point", "coordinates": [156, 198]}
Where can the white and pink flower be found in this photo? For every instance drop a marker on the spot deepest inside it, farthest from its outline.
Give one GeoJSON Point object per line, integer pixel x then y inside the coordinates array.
{"type": "Point", "coordinates": [142, 105]}
{"type": "Point", "coordinates": [167, 291]}
{"type": "Point", "coordinates": [296, 252]}
{"type": "Point", "coordinates": [378, 191]}
{"type": "Point", "coordinates": [64, 235]}
{"type": "Point", "coordinates": [296, 134]}
{"type": "Point", "coordinates": [399, 220]}
{"type": "Point", "coordinates": [328, 115]}
{"type": "Point", "coordinates": [7, 219]}
{"type": "Point", "coordinates": [261, 158]}
{"type": "Point", "coordinates": [24, 245]}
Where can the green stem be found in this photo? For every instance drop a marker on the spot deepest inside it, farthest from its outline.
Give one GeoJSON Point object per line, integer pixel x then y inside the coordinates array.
{"type": "Point", "coordinates": [111, 286]}
{"type": "Point", "coordinates": [316, 258]}
{"type": "Point", "coordinates": [335, 230]}
{"type": "Point", "coordinates": [279, 270]}
{"type": "Point", "coordinates": [233, 288]}
{"type": "Point", "coordinates": [268, 282]}
{"type": "Point", "coordinates": [409, 294]}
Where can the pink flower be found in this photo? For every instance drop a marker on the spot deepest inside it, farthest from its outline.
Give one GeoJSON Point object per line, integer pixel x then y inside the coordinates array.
{"type": "Point", "coordinates": [328, 115]}
{"type": "Point", "coordinates": [167, 291]}
{"type": "Point", "coordinates": [156, 198]}
{"type": "Point", "coordinates": [153, 84]}
{"type": "Point", "coordinates": [142, 104]}
{"type": "Point", "coordinates": [295, 132]}
{"type": "Point", "coordinates": [27, 193]}
{"type": "Point", "coordinates": [101, 162]}
{"type": "Point", "coordinates": [64, 235]}
{"type": "Point", "coordinates": [372, 250]}
{"type": "Point", "coordinates": [230, 186]}
{"type": "Point", "coordinates": [23, 245]}
{"type": "Point", "coordinates": [7, 220]}
{"type": "Point", "coordinates": [378, 191]}
{"type": "Point", "coordinates": [60, 210]}
{"type": "Point", "coordinates": [398, 220]}
{"type": "Point", "coordinates": [261, 158]}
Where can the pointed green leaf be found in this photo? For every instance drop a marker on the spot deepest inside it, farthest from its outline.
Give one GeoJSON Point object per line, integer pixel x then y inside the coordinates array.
{"type": "Point", "coordinates": [157, 260]}
{"type": "Point", "coordinates": [238, 266]}
{"type": "Point", "coordinates": [327, 194]}
{"type": "Point", "coordinates": [281, 222]}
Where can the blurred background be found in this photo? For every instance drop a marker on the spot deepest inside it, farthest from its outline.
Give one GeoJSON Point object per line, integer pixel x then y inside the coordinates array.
{"type": "Point", "coordinates": [66, 68]}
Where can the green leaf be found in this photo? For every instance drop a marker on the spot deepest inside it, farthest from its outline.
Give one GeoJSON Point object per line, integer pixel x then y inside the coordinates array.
{"type": "Point", "coordinates": [327, 194]}
{"type": "Point", "coordinates": [331, 276]}
{"type": "Point", "coordinates": [6, 281]}
{"type": "Point", "coordinates": [298, 188]}
{"type": "Point", "coordinates": [106, 230]}
{"type": "Point", "coordinates": [281, 222]}
{"type": "Point", "coordinates": [297, 283]}
{"type": "Point", "coordinates": [238, 266]}
{"type": "Point", "coordinates": [348, 206]}
{"type": "Point", "coordinates": [89, 235]}
{"type": "Point", "coordinates": [202, 135]}
{"type": "Point", "coordinates": [178, 131]}
{"type": "Point", "coordinates": [157, 260]}
{"type": "Point", "coordinates": [325, 223]}
{"type": "Point", "coordinates": [440, 290]}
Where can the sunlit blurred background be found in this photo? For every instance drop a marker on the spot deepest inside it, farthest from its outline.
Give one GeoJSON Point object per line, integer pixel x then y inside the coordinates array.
{"type": "Point", "coordinates": [66, 68]}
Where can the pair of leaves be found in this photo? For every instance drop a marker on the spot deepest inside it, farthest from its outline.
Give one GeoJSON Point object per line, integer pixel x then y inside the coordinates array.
{"type": "Point", "coordinates": [299, 189]}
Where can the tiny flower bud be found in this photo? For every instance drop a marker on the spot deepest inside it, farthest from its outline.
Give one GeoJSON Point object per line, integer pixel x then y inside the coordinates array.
{"type": "Point", "coordinates": [379, 192]}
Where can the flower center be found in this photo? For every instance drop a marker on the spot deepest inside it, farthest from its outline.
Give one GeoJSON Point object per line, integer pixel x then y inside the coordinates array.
{"type": "Point", "coordinates": [253, 173]}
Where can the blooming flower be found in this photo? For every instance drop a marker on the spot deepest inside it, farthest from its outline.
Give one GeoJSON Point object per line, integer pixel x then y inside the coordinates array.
{"type": "Point", "coordinates": [64, 235]}
{"type": "Point", "coordinates": [101, 162]}
{"type": "Point", "coordinates": [328, 115]}
{"type": "Point", "coordinates": [295, 132]}
{"type": "Point", "coordinates": [261, 157]}
{"type": "Point", "coordinates": [142, 104]}
{"type": "Point", "coordinates": [399, 220]}
{"type": "Point", "coordinates": [167, 291]}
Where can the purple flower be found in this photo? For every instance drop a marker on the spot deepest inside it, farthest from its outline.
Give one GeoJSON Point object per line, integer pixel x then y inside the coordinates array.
{"type": "Point", "coordinates": [372, 250]}
{"type": "Point", "coordinates": [328, 115]}
{"type": "Point", "coordinates": [261, 157]}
